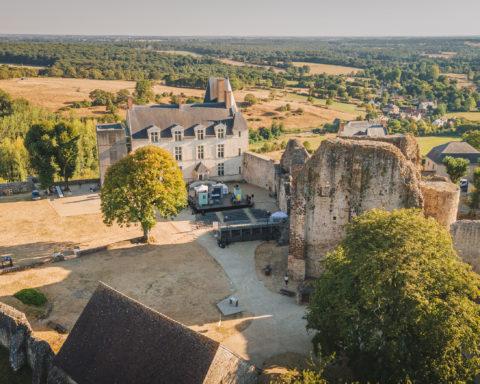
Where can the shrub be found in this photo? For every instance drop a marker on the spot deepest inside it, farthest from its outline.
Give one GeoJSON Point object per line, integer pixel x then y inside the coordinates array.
{"type": "Point", "coordinates": [250, 99]}
{"type": "Point", "coordinates": [31, 296]}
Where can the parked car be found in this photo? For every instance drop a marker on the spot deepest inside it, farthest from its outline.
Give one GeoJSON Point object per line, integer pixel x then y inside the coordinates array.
{"type": "Point", "coordinates": [464, 185]}
{"type": "Point", "coordinates": [36, 194]}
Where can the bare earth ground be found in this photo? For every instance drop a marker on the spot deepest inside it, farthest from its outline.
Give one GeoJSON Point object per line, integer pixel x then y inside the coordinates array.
{"type": "Point", "coordinates": [176, 276]}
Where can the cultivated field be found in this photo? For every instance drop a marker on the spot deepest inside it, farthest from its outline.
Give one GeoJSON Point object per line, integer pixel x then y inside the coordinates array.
{"type": "Point", "coordinates": [472, 116]}
{"type": "Point", "coordinates": [329, 69]}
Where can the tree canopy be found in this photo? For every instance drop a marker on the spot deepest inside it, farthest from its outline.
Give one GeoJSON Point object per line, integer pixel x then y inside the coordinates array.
{"type": "Point", "coordinates": [141, 184]}
{"type": "Point", "coordinates": [397, 304]}
{"type": "Point", "coordinates": [456, 167]}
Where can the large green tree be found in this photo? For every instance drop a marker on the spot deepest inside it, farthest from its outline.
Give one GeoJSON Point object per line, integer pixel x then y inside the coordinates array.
{"type": "Point", "coordinates": [41, 149]}
{"type": "Point", "coordinates": [456, 167]}
{"type": "Point", "coordinates": [144, 91]}
{"type": "Point", "coordinates": [141, 184]}
{"type": "Point", "coordinates": [66, 149]}
{"type": "Point", "coordinates": [397, 304]}
{"type": "Point", "coordinates": [473, 138]}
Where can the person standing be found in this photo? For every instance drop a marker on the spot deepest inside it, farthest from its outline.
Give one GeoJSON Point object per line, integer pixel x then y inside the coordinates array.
{"type": "Point", "coordinates": [285, 279]}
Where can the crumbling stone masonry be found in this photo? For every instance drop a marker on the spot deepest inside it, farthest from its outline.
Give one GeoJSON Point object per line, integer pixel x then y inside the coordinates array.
{"type": "Point", "coordinates": [345, 178]}
{"type": "Point", "coordinates": [24, 348]}
{"type": "Point", "coordinates": [466, 239]}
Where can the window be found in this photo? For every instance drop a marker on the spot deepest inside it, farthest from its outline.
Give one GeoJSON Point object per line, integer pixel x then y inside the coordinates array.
{"type": "Point", "coordinates": [239, 133]}
{"type": "Point", "coordinates": [221, 151]}
{"type": "Point", "coordinates": [221, 133]}
{"type": "Point", "coordinates": [178, 136]}
{"type": "Point", "coordinates": [221, 169]}
{"type": "Point", "coordinates": [178, 153]}
{"type": "Point", "coordinates": [239, 170]}
{"type": "Point", "coordinates": [200, 134]}
{"type": "Point", "coordinates": [239, 151]}
{"type": "Point", "coordinates": [200, 152]}
{"type": "Point", "coordinates": [154, 137]}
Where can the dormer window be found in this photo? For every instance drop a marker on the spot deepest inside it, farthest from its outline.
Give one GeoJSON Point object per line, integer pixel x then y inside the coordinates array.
{"type": "Point", "coordinates": [178, 135]}
{"type": "Point", "coordinates": [154, 137]}
{"type": "Point", "coordinates": [221, 133]}
{"type": "Point", "coordinates": [200, 134]}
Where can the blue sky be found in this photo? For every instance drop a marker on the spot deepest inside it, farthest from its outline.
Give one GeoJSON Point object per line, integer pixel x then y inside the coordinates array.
{"type": "Point", "coordinates": [242, 17]}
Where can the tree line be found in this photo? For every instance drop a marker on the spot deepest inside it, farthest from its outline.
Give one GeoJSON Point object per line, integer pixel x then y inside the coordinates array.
{"type": "Point", "coordinates": [36, 141]}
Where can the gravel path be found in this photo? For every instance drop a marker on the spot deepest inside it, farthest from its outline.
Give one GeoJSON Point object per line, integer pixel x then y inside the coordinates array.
{"type": "Point", "coordinates": [278, 326]}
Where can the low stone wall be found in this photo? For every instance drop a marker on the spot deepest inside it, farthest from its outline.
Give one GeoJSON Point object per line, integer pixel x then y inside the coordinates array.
{"type": "Point", "coordinates": [259, 170]}
{"type": "Point", "coordinates": [24, 349]}
{"type": "Point", "coordinates": [466, 239]}
{"type": "Point", "coordinates": [7, 189]}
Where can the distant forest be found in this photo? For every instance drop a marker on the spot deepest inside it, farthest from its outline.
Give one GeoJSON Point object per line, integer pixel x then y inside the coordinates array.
{"type": "Point", "coordinates": [409, 69]}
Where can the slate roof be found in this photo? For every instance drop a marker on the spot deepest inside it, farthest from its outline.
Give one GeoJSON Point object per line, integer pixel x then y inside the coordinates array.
{"type": "Point", "coordinates": [457, 149]}
{"type": "Point", "coordinates": [141, 117]}
{"type": "Point", "coordinates": [118, 340]}
{"type": "Point", "coordinates": [363, 128]}
{"type": "Point", "coordinates": [109, 126]}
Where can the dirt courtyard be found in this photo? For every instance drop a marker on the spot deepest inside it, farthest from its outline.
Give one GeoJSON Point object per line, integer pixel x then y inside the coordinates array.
{"type": "Point", "coordinates": [180, 280]}
{"type": "Point", "coordinates": [175, 276]}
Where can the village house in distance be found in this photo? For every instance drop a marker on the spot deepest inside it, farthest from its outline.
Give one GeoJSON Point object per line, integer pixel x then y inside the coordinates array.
{"type": "Point", "coordinates": [206, 139]}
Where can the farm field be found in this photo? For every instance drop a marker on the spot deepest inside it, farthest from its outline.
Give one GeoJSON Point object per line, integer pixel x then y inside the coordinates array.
{"type": "Point", "coordinates": [472, 116]}
{"type": "Point", "coordinates": [182, 53]}
{"type": "Point", "coordinates": [329, 69]}
{"type": "Point", "coordinates": [55, 93]}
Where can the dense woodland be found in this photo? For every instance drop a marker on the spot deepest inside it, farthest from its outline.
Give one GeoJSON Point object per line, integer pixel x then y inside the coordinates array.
{"type": "Point", "coordinates": [400, 71]}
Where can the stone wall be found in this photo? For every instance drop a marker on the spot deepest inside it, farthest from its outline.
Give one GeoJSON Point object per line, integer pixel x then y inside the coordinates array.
{"type": "Point", "coordinates": [259, 170]}
{"type": "Point", "coordinates": [343, 179]}
{"type": "Point", "coordinates": [16, 187]}
{"type": "Point", "coordinates": [466, 239]}
{"type": "Point", "coordinates": [24, 348]}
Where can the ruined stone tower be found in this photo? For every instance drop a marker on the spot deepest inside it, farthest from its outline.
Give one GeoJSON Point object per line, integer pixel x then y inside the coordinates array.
{"type": "Point", "coordinates": [345, 178]}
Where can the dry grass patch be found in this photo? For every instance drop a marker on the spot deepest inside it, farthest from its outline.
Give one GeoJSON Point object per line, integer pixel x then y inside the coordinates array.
{"type": "Point", "coordinates": [329, 69]}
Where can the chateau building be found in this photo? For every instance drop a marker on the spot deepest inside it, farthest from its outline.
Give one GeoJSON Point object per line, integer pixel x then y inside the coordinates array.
{"type": "Point", "coordinates": [207, 139]}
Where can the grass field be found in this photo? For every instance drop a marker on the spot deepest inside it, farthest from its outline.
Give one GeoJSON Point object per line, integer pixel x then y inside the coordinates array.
{"type": "Point", "coordinates": [182, 53]}
{"type": "Point", "coordinates": [428, 142]}
{"type": "Point", "coordinates": [54, 93]}
{"type": "Point", "coordinates": [472, 116]}
{"type": "Point", "coordinates": [329, 69]}
{"type": "Point", "coordinates": [425, 143]}
{"type": "Point", "coordinates": [462, 80]}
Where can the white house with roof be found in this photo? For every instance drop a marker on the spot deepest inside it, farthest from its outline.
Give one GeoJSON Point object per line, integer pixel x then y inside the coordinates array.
{"type": "Point", "coordinates": [362, 128]}
{"type": "Point", "coordinates": [207, 139]}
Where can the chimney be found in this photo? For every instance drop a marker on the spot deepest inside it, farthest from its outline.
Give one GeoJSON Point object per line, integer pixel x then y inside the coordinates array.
{"type": "Point", "coordinates": [228, 99]}
{"type": "Point", "coordinates": [221, 90]}
{"type": "Point", "coordinates": [130, 102]}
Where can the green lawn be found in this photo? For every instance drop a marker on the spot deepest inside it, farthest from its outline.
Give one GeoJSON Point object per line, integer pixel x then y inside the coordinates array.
{"type": "Point", "coordinates": [336, 106]}
{"type": "Point", "coordinates": [7, 376]}
{"type": "Point", "coordinates": [472, 116]}
{"type": "Point", "coordinates": [426, 143]}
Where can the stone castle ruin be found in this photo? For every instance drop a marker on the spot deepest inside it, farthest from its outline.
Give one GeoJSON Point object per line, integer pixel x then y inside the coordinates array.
{"type": "Point", "coordinates": [346, 177]}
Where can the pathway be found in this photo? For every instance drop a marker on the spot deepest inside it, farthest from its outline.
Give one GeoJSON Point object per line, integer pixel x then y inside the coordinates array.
{"type": "Point", "coordinates": [278, 326]}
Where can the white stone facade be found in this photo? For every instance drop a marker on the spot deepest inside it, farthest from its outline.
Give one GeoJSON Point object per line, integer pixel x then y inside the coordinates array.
{"type": "Point", "coordinates": [208, 151]}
